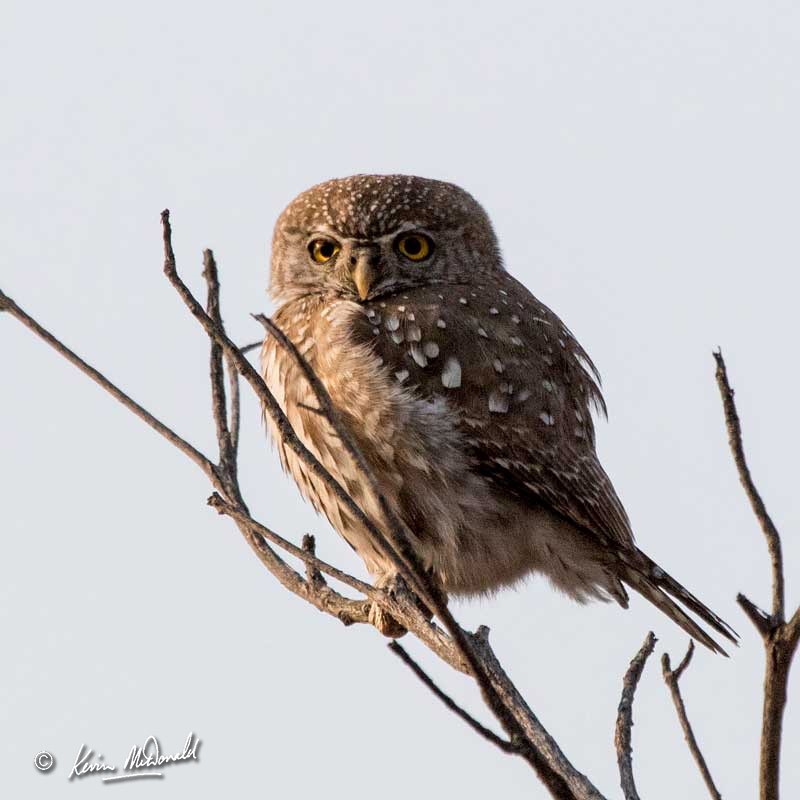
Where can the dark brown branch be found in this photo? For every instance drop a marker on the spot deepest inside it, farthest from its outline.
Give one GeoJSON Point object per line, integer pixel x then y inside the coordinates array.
{"type": "Point", "coordinates": [249, 347]}
{"type": "Point", "coordinates": [481, 730]}
{"type": "Point", "coordinates": [733, 424]}
{"type": "Point", "coordinates": [308, 556]}
{"type": "Point", "coordinates": [227, 456]}
{"type": "Point", "coordinates": [624, 726]}
{"type": "Point", "coordinates": [671, 678]}
{"type": "Point", "coordinates": [780, 639]}
{"type": "Point", "coordinates": [756, 615]}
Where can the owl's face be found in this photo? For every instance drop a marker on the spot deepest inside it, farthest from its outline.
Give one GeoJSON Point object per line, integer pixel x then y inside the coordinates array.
{"type": "Point", "coordinates": [372, 235]}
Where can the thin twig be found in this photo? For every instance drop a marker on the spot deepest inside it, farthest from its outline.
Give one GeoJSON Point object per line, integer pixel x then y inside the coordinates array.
{"type": "Point", "coordinates": [208, 467]}
{"type": "Point", "coordinates": [734, 427]}
{"type": "Point", "coordinates": [218, 401]}
{"type": "Point", "coordinates": [235, 424]}
{"type": "Point", "coordinates": [671, 678]}
{"type": "Point", "coordinates": [222, 506]}
{"type": "Point", "coordinates": [624, 726]}
{"type": "Point", "coordinates": [481, 730]}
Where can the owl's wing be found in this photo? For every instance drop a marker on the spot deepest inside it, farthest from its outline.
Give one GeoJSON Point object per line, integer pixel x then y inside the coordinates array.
{"type": "Point", "coordinates": [522, 390]}
{"type": "Point", "coordinates": [522, 387]}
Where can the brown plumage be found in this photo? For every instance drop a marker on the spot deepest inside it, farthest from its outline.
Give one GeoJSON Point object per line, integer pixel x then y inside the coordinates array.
{"type": "Point", "coordinates": [469, 398]}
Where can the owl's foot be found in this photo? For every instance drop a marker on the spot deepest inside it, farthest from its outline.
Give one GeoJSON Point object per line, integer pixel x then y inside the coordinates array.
{"type": "Point", "coordinates": [382, 619]}
{"type": "Point", "coordinates": [385, 622]}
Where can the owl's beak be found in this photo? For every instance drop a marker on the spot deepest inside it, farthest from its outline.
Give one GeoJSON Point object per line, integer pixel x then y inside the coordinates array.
{"type": "Point", "coordinates": [364, 273]}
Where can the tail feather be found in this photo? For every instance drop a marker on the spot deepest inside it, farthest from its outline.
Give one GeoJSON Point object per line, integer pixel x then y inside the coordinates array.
{"type": "Point", "coordinates": [645, 576]}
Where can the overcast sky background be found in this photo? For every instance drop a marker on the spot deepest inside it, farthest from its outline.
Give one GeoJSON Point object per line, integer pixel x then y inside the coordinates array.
{"type": "Point", "coordinates": [640, 163]}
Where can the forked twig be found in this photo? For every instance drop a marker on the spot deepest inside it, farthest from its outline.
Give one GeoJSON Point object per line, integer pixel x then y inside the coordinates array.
{"type": "Point", "coordinates": [671, 678]}
{"type": "Point", "coordinates": [780, 638]}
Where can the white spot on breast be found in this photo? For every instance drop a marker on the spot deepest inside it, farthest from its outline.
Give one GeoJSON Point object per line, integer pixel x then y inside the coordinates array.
{"type": "Point", "coordinates": [462, 300]}
{"type": "Point", "coordinates": [440, 323]}
{"type": "Point", "coordinates": [579, 433]}
{"type": "Point", "coordinates": [498, 402]}
{"type": "Point", "coordinates": [493, 310]}
{"type": "Point", "coordinates": [498, 366]}
{"type": "Point", "coordinates": [548, 386]}
{"type": "Point", "coordinates": [410, 317]}
{"type": "Point", "coordinates": [578, 416]}
{"type": "Point", "coordinates": [516, 341]}
{"type": "Point", "coordinates": [376, 331]}
{"type": "Point", "coordinates": [397, 337]}
{"type": "Point", "coordinates": [451, 374]}
{"type": "Point", "coordinates": [522, 395]}
{"type": "Point", "coordinates": [546, 418]}
{"type": "Point", "coordinates": [515, 319]}
{"type": "Point", "coordinates": [431, 349]}
{"type": "Point", "coordinates": [418, 355]}
{"type": "Point", "coordinates": [482, 332]}
{"type": "Point", "coordinates": [413, 332]}
{"type": "Point", "coordinates": [401, 375]}
{"type": "Point", "coordinates": [392, 322]}
{"type": "Point", "coordinates": [401, 309]}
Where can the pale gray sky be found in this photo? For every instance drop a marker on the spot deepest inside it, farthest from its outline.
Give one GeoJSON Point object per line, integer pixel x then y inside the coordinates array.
{"type": "Point", "coordinates": [640, 163]}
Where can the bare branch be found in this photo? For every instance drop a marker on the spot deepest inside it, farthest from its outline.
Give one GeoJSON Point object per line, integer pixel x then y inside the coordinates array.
{"type": "Point", "coordinates": [624, 726]}
{"type": "Point", "coordinates": [671, 678]}
{"type": "Point", "coordinates": [481, 730]}
{"type": "Point", "coordinates": [7, 304]}
{"type": "Point", "coordinates": [734, 427]}
{"type": "Point", "coordinates": [233, 383]}
{"type": "Point", "coordinates": [780, 639]}
{"type": "Point", "coordinates": [759, 617]}
{"type": "Point", "coordinates": [308, 556]}
{"type": "Point", "coordinates": [227, 458]}
{"type": "Point", "coordinates": [249, 347]}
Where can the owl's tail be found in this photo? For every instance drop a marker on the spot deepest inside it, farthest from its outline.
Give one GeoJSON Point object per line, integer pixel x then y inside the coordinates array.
{"type": "Point", "coordinates": [643, 575]}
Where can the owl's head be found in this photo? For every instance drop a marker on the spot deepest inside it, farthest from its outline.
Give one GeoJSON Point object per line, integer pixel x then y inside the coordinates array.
{"type": "Point", "coordinates": [372, 235]}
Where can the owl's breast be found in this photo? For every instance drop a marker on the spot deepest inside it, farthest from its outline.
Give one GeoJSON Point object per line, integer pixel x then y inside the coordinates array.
{"type": "Point", "coordinates": [410, 441]}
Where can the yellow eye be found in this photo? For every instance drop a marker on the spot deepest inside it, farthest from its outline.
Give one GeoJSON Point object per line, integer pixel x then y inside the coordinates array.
{"type": "Point", "coordinates": [414, 246]}
{"type": "Point", "coordinates": [323, 250]}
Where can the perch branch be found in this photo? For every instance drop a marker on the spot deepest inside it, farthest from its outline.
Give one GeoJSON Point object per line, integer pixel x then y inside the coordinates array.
{"type": "Point", "coordinates": [624, 726]}
{"type": "Point", "coordinates": [466, 652]}
{"type": "Point", "coordinates": [402, 558]}
{"type": "Point", "coordinates": [671, 678]}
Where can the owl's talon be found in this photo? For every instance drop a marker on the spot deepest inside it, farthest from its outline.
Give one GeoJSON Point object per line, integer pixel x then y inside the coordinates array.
{"type": "Point", "coordinates": [385, 622]}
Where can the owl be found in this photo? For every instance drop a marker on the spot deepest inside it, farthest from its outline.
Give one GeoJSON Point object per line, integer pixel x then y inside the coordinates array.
{"type": "Point", "coordinates": [470, 399]}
